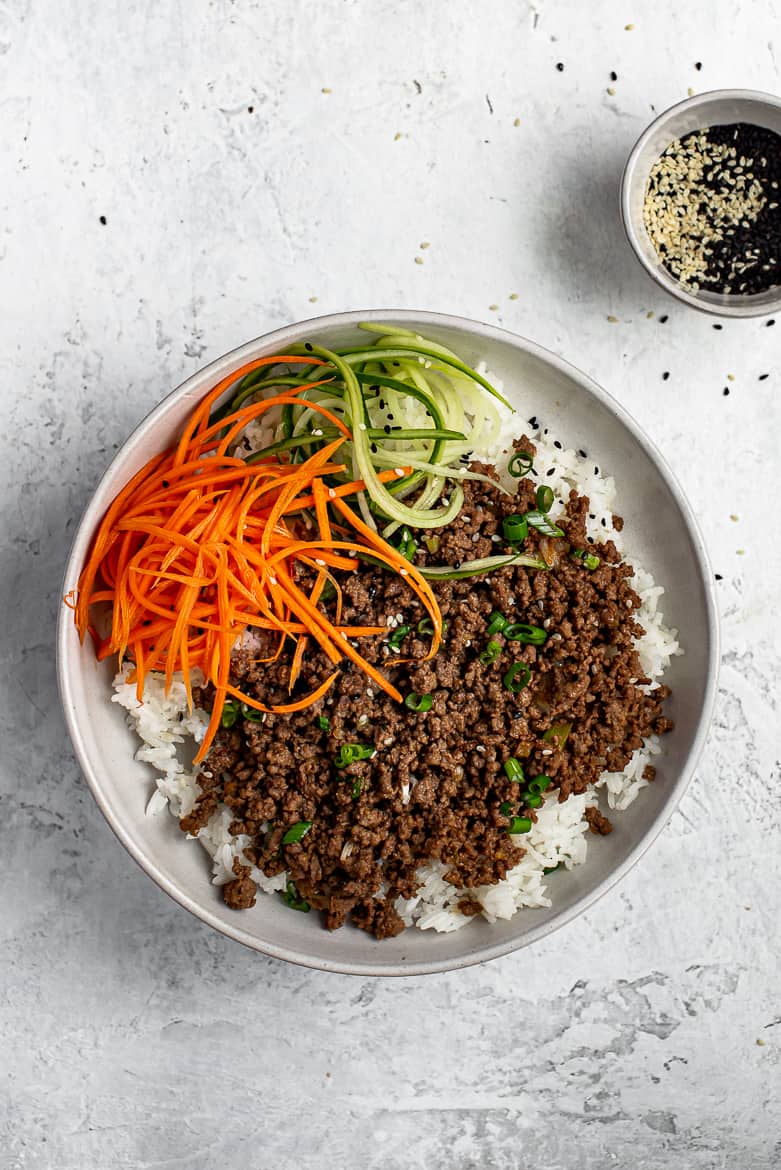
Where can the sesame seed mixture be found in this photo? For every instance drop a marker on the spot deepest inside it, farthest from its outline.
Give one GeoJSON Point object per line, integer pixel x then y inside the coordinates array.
{"type": "Point", "coordinates": [713, 209]}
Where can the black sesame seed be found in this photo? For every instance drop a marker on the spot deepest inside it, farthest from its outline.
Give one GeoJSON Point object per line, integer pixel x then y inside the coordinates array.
{"type": "Point", "coordinates": [582, 453]}
{"type": "Point", "coordinates": [557, 444]}
{"type": "Point", "coordinates": [725, 391]}
{"type": "Point", "coordinates": [308, 346]}
{"type": "Point", "coordinates": [665, 375]}
{"type": "Point", "coordinates": [387, 429]}
{"type": "Point", "coordinates": [710, 208]}
{"type": "Point", "coordinates": [560, 66]}
{"type": "Point", "coordinates": [718, 576]}
{"type": "Point", "coordinates": [390, 418]}
{"type": "Point", "coordinates": [456, 565]}
{"type": "Point", "coordinates": [103, 220]}
{"type": "Point", "coordinates": [718, 326]}
{"type": "Point", "coordinates": [550, 471]}
{"type": "Point", "coordinates": [762, 377]}
{"type": "Point", "coordinates": [373, 448]}
{"type": "Point", "coordinates": [382, 404]}
{"type": "Point", "coordinates": [664, 319]}
{"type": "Point", "coordinates": [166, 483]}
{"type": "Point", "coordinates": [603, 522]}
{"type": "Point", "coordinates": [698, 65]}
{"type": "Point", "coordinates": [770, 322]}
{"type": "Point", "coordinates": [613, 75]}
{"type": "Point", "coordinates": [596, 471]}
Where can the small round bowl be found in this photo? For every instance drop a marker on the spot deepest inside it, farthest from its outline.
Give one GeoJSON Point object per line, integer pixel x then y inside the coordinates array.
{"type": "Point", "coordinates": [660, 532]}
{"type": "Point", "coordinates": [719, 107]}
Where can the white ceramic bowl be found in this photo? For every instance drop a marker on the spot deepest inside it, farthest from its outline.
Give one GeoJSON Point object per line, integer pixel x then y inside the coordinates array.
{"type": "Point", "coordinates": [719, 107]}
{"type": "Point", "coordinates": [660, 529]}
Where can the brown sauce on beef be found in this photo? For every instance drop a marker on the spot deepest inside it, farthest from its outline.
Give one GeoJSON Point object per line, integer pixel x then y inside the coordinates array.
{"type": "Point", "coordinates": [366, 843]}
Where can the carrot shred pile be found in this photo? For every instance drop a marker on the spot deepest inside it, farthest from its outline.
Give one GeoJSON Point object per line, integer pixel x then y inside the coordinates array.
{"type": "Point", "coordinates": [201, 546]}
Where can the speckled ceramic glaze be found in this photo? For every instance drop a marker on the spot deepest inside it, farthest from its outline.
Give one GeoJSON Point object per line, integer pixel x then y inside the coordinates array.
{"type": "Point", "coordinates": [660, 531]}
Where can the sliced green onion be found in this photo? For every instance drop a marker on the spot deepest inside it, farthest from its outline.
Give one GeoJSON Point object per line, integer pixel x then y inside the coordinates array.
{"type": "Point", "coordinates": [552, 868]}
{"type": "Point", "coordinates": [544, 498]}
{"type": "Point", "coordinates": [491, 653]}
{"type": "Point", "coordinates": [520, 464]}
{"type": "Point", "coordinates": [230, 713]}
{"type": "Point", "coordinates": [418, 702]}
{"type": "Point", "coordinates": [406, 545]}
{"type": "Point", "coordinates": [252, 715]}
{"type": "Point", "coordinates": [529, 635]}
{"type": "Point", "coordinates": [432, 544]}
{"type": "Point", "coordinates": [515, 528]}
{"type": "Point", "coordinates": [505, 808]}
{"type": "Point", "coordinates": [532, 800]}
{"type": "Point", "coordinates": [497, 622]}
{"type": "Point", "coordinates": [398, 636]}
{"type": "Point", "coordinates": [539, 784]}
{"type": "Point", "coordinates": [590, 560]}
{"type": "Point", "coordinates": [350, 753]}
{"type": "Point", "coordinates": [296, 832]}
{"type": "Point", "coordinates": [292, 898]}
{"type": "Point", "coordinates": [323, 722]}
{"type": "Point", "coordinates": [519, 825]}
{"type": "Point", "coordinates": [541, 522]}
{"type": "Point", "coordinates": [357, 788]}
{"type": "Point", "coordinates": [517, 678]}
{"type": "Point", "coordinates": [557, 734]}
{"type": "Point", "coordinates": [514, 770]}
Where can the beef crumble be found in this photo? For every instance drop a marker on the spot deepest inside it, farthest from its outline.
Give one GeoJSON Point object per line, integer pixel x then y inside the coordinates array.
{"type": "Point", "coordinates": [435, 787]}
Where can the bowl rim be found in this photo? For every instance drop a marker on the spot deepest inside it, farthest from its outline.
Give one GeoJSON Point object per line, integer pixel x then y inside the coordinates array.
{"type": "Point", "coordinates": [196, 385]}
{"type": "Point", "coordinates": [741, 309]}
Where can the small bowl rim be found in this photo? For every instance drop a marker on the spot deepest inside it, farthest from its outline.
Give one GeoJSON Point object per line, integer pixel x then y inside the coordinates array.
{"type": "Point", "coordinates": [191, 901]}
{"type": "Point", "coordinates": [743, 308]}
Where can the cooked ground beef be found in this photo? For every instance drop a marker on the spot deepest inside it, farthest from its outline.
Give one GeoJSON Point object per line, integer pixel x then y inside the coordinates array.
{"type": "Point", "coordinates": [598, 822]}
{"type": "Point", "coordinates": [435, 787]}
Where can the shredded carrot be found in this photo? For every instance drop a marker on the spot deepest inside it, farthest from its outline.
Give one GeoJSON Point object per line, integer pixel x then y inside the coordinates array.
{"type": "Point", "coordinates": [200, 547]}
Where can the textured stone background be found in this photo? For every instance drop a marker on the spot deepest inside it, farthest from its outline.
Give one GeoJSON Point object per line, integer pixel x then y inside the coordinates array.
{"type": "Point", "coordinates": [235, 192]}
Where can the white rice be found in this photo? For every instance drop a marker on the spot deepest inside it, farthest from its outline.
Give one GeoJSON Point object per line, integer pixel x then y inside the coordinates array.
{"type": "Point", "coordinates": [559, 836]}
